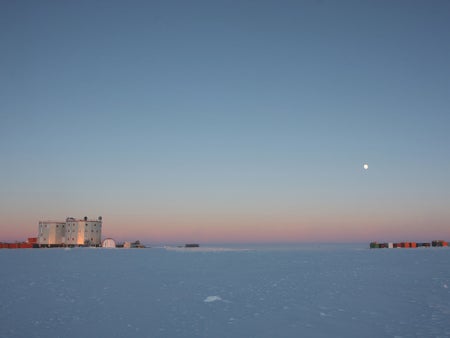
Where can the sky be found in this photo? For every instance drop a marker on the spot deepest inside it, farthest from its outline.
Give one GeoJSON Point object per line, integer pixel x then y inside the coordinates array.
{"type": "Point", "coordinates": [227, 121]}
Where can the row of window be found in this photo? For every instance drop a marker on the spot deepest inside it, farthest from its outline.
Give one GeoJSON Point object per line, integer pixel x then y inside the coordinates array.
{"type": "Point", "coordinates": [57, 225]}
{"type": "Point", "coordinates": [69, 239]}
{"type": "Point", "coordinates": [74, 239]}
{"type": "Point", "coordinates": [74, 230]}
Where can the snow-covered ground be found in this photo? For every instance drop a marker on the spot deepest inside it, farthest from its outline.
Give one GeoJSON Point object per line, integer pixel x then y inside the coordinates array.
{"type": "Point", "coordinates": [304, 291]}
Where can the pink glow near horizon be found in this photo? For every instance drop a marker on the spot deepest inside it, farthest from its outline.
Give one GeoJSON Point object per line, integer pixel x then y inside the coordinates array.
{"type": "Point", "coordinates": [248, 229]}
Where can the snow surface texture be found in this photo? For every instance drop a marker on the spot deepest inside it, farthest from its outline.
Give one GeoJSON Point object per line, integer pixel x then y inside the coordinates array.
{"type": "Point", "coordinates": [315, 291]}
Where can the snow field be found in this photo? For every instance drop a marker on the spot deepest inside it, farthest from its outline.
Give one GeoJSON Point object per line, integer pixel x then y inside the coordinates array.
{"type": "Point", "coordinates": [319, 291]}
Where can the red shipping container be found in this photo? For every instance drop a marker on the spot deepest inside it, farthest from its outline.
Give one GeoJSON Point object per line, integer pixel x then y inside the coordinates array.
{"type": "Point", "coordinates": [25, 245]}
{"type": "Point", "coordinates": [32, 240]}
{"type": "Point", "coordinates": [13, 245]}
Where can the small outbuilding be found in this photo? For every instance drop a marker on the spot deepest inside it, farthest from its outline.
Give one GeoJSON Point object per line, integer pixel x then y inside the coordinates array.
{"type": "Point", "coordinates": [109, 243]}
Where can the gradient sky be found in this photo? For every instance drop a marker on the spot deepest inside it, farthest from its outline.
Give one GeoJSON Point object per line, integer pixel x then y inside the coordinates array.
{"type": "Point", "coordinates": [227, 121]}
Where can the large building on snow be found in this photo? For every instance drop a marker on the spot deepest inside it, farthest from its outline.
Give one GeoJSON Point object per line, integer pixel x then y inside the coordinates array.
{"type": "Point", "coordinates": [51, 232]}
{"type": "Point", "coordinates": [71, 232]}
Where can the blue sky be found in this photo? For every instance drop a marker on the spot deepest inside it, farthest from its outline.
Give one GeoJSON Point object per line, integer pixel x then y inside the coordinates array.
{"type": "Point", "coordinates": [207, 115]}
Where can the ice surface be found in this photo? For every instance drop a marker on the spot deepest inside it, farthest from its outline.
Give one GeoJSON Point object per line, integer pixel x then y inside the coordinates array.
{"type": "Point", "coordinates": [304, 291]}
{"type": "Point", "coordinates": [210, 299]}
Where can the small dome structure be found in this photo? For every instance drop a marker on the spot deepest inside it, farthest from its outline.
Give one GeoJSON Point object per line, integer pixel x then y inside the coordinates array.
{"type": "Point", "coordinates": [109, 243]}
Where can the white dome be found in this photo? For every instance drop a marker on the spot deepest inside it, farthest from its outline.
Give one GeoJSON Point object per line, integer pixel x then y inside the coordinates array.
{"type": "Point", "coordinates": [109, 243]}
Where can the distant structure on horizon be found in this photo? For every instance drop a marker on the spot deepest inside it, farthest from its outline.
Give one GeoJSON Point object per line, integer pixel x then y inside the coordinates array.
{"type": "Point", "coordinates": [72, 232]}
{"type": "Point", "coordinates": [109, 243]}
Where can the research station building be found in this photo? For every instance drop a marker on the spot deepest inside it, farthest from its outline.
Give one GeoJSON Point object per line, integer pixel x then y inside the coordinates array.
{"type": "Point", "coordinates": [51, 232]}
{"type": "Point", "coordinates": [72, 232]}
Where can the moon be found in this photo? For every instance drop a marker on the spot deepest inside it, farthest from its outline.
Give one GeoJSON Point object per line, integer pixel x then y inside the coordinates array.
{"type": "Point", "coordinates": [365, 166]}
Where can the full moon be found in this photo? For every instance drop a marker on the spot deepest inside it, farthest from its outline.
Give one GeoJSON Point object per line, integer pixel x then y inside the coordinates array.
{"type": "Point", "coordinates": [365, 166]}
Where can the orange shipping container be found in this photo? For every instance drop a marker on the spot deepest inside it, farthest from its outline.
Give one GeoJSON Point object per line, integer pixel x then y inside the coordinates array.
{"type": "Point", "coordinates": [413, 245]}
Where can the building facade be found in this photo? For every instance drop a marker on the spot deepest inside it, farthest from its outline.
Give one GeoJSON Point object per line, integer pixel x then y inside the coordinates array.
{"type": "Point", "coordinates": [83, 231]}
{"type": "Point", "coordinates": [72, 232]}
{"type": "Point", "coordinates": [51, 232]}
